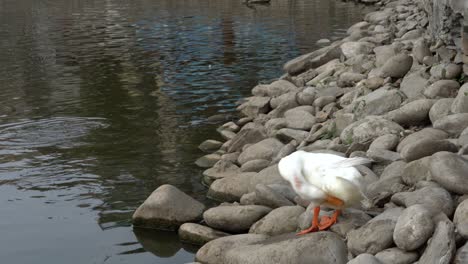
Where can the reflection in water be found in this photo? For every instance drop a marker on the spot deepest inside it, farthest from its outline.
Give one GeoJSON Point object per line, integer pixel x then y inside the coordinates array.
{"type": "Point", "coordinates": [104, 101]}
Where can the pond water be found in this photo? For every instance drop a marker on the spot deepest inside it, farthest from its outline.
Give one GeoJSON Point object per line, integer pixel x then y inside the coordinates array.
{"type": "Point", "coordinates": [102, 101]}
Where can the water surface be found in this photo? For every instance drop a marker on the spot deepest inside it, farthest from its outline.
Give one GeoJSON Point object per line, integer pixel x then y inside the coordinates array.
{"type": "Point", "coordinates": [102, 101]}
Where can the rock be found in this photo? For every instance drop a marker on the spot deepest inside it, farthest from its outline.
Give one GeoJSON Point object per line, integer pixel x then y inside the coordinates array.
{"type": "Point", "coordinates": [349, 219]}
{"type": "Point", "coordinates": [460, 105]}
{"type": "Point", "coordinates": [322, 101]}
{"type": "Point", "coordinates": [440, 109]}
{"type": "Point", "coordinates": [230, 189]}
{"type": "Point", "coordinates": [198, 234]}
{"type": "Point", "coordinates": [230, 126]}
{"type": "Point", "coordinates": [273, 125]}
{"type": "Point", "coordinates": [463, 139]}
{"type": "Point", "coordinates": [313, 59]}
{"type": "Point", "coordinates": [442, 89]}
{"type": "Point", "coordinates": [307, 96]}
{"type": "Point", "coordinates": [376, 235]}
{"type": "Point", "coordinates": [282, 108]}
{"type": "Point", "coordinates": [415, 171]}
{"type": "Point", "coordinates": [368, 129]}
{"type": "Point", "coordinates": [378, 102]}
{"type": "Point", "coordinates": [435, 199]}
{"type": "Point", "coordinates": [413, 113]}
{"type": "Point", "coordinates": [441, 248]}
{"type": "Point", "coordinates": [285, 151]}
{"type": "Point", "coordinates": [452, 124]}
{"type": "Point", "coordinates": [365, 259]}
{"type": "Point", "coordinates": [384, 53]}
{"type": "Point", "coordinates": [352, 49]}
{"type": "Point", "coordinates": [461, 256]}
{"type": "Point", "coordinates": [446, 71]}
{"type": "Point", "coordinates": [383, 155]}
{"type": "Point", "coordinates": [413, 85]}
{"type": "Point", "coordinates": [323, 41]}
{"type": "Point", "coordinates": [210, 145]}
{"type": "Point", "coordinates": [288, 134]}
{"type": "Point", "coordinates": [249, 134]}
{"type": "Point", "coordinates": [348, 79]}
{"type": "Point", "coordinates": [234, 219]}
{"type": "Point", "coordinates": [389, 178]}
{"type": "Point", "coordinates": [460, 219]}
{"type": "Point", "coordinates": [426, 133]}
{"type": "Point", "coordinates": [265, 149]}
{"type": "Point", "coordinates": [220, 170]}
{"type": "Point", "coordinates": [248, 199]}
{"type": "Point", "coordinates": [426, 147]}
{"type": "Point", "coordinates": [421, 50]}
{"type": "Point", "coordinates": [397, 66]}
{"type": "Point", "coordinates": [274, 89]}
{"type": "Point", "coordinates": [214, 251]}
{"type": "Point", "coordinates": [297, 119]}
{"type": "Point", "coordinates": [226, 134]}
{"type": "Point", "coordinates": [167, 208]}
{"type": "Point", "coordinates": [230, 157]}
{"type": "Point", "coordinates": [413, 228]}
{"type": "Point", "coordinates": [279, 221]}
{"type": "Point", "coordinates": [254, 165]}
{"type": "Point", "coordinates": [321, 247]}
{"type": "Point", "coordinates": [208, 161]}
{"type": "Point", "coordinates": [449, 170]}
{"type": "Point", "coordinates": [358, 26]}
{"type": "Point", "coordinates": [254, 106]}
{"type": "Point", "coordinates": [387, 142]}
{"type": "Point", "coordinates": [378, 17]}
{"type": "Point", "coordinates": [268, 197]}
{"type": "Point", "coordinates": [396, 256]}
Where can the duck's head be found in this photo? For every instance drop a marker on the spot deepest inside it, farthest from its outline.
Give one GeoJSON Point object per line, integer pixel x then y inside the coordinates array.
{"type": "Point", "coordinates": [291, 166]}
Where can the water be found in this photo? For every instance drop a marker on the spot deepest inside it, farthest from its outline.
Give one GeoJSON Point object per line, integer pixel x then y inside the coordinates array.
{"type": "Point", "coordinates": [102, 101]}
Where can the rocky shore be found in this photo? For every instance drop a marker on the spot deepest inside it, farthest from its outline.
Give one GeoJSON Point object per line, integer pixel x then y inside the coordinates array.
{"type": "Point", "coordinates": [390, 92]}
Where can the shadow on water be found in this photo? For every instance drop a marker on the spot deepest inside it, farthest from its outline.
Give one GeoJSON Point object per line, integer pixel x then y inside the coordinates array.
{"type": "Point", "coordinates": [104, 101]}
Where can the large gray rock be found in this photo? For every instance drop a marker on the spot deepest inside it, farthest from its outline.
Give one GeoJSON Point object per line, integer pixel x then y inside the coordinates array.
{"type": "Point", "coordinates": [265, 149]}
{"type": "Point", "coordinates": [368, 129]}
{"type": "Point", "coordinates": [288, 134]}
{"type": "Point", "coordinates": [442, 89]}
{"type": "Point", "coordinates": [313, 59]}
{"type": "Point", "coordinates": [267, 176]}
{"type": "Point", "coordinates": [276, 88]}
{"type": "Point", "coordinates": [167, 208]}
{"type": "Point", "coordinates": [413, 228]}
{"type": "Point", "coordinates": [269, 197]}
{"type": "Point", "coordinates": [426, 133]}
{"type": "Point", "coordinates": [210, 145]}
{"type": "Point", "coordinates": [435, 199]}
{"type": "Point", "coordinates": [461, 257]}
{"type": "Point", "coordinates": [384, 53]}
{"type": "Point", "coordinates": [352, 49]}
{"type": "Point", "coordinates": [298, 119]}
{"type": "Point", "coordinates": [441, 248]}
{"type": "Point", "coordinates": [320, 247]}
{"type": "Point", "coordinates": [413, 85]}
{"type": "Point", "coordinates": [279, 221]}
{"type": "Point", "coordinates": [208, 160]}
{"type": "Point", "coordinates": [249, 134]}
{"type": "Point", "coordinates": [387, 142]}
{"type": "Point", "coordinates": [391, 176]}
{"type": "Point", "coordinates": [452, 124]}
{"type": "Point", "coordinates": [446, 71]}
{"type": "Point", "coordinates": [460, 105]}
{"type": "Point", "coordinates": [214, 251]}
{"type": "Point", "coordinates": [450, 171]}
{"type": "Point", "coordinates": [383, 155]}
{"type": "Point", "coordinates": [198, 234]}
{"type": "Point", "coordinates": [426, 147]}
{"type": "Point", "coordinates": [254, 165]}
{"type": "Point", "coordinates": [290, 97]}
{"type": "Point", "coordinates": [416, 171]}
{"type": "Point", "coordinates": [460, 219]}
{"type": "Point", "coordinates": [421, 50]}
{"type": "Point", "coordinates": [254, 106]}
{"type": "Point", "coordinates": [221, 169]}
{"type": "Point", "coordinates": [397, 66]}
{"type": "Point", "coordinates": [348, 220]}
{"type": "Point", "coordinates": [378, 102]}
{"type": "Point", "coordinates": [365, 259]}
{"type": "Point", "coordinates": [234, 219]}
{"type": "Point", "coordinates": [230, 189]}
{"type": "Point", "coordinates": [273, 125]}
{"type": "Point", "coordinates": [413, 113]}
{"type": "Point", "coordinates": [396, 256]}
{"type": "Point", "coordinates": [348, 79]}
{"type": "Point", "coordinates": [376, 235]}
{"type": "Point", "coordinates": [440, 109]}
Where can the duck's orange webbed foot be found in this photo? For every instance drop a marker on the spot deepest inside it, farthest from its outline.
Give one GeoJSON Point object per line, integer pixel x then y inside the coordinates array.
{"type": "Point", "coordinates": [326, 221]}
{"type": "Point", "coordinates": [315, 224]}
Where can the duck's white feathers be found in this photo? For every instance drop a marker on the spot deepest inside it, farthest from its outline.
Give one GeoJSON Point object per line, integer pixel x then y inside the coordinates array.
{"type": "Point", "coordinates": [325, 174]}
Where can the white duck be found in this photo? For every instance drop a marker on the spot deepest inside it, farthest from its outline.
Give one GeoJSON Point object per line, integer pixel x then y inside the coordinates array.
{"type": "Point", "coordinates": [324, 179]}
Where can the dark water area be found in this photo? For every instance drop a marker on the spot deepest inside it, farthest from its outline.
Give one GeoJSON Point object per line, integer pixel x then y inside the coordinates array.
{"type": "Point", "coordinates": [102, 101]}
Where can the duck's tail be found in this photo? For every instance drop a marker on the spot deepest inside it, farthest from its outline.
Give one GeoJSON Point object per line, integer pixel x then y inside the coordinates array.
{"type": "Point", "coordinates": [350, 162]}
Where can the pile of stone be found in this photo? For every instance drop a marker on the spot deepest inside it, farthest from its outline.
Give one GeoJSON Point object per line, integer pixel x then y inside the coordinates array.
{"type": "Point", "coordinates": [385, 92]}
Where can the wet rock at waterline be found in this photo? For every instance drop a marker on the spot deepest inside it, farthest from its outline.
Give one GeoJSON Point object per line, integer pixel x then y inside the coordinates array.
{"type": "Point", "coordinates": [198, 234]}
{"type": "Point", "coordinates": [235, 218]}
{"type": "Point", "coordinates": [167, 208]}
